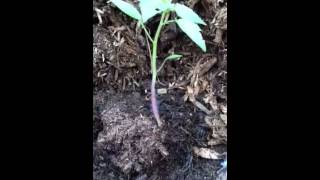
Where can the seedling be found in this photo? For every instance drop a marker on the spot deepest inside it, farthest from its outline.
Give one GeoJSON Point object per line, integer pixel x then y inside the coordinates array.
{"type": "Point", "coordinates": [187, 20]}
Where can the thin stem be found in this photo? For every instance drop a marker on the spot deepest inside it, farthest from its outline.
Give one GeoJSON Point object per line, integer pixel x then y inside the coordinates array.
{"type": "Point", "coordinates": [164, 17]}
{"type": "Point", "coordinates": [162, 65]}
{"type": "Point", "coordinates": [166, 21]}
{"type": "Point", "coordinates": [155, 46]}
{"type": "Point", "coordinates": [148, 45]}
{"type": "Point", "coordinates": [146, 31]}
{"type": "Point", "coordinates": [170, 21]}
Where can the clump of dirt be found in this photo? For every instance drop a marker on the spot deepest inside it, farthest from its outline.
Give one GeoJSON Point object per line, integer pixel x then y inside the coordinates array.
{"type": "Point", "coordinates": [99, 101]}
{"type": "Point", "coordinates": [131, 145]}
{"type": "Point", "coordinates": [135, 141]}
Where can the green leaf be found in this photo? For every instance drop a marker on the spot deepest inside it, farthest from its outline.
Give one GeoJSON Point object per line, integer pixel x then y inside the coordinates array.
{"type": "Point", "coordinates": [166, 6]}
{"type": "Point", "coordinates": [193, 31]}
{"type": "Point", "coordinates": [127, 8]}
{"type": "Point", "coordinates": [150, 8]}
{"type": "Point", "coordinates": [187, 13]}
{"type": "Point", "coordinates": [173, 57]}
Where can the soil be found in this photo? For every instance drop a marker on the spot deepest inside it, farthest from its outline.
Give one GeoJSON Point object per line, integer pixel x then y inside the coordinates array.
{"type": "Point", "coordinates": [127, 142]}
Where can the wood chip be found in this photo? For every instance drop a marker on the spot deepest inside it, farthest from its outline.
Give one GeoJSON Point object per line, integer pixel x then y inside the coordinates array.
{"type": "Point", "coordinates": [206, 153]}
{"type": "Point", "coordinates": [162, 91]}
{"type": "Point", "coordinates": [202, 107]}
{"type": "Point", "coordinates": [213, 142]}
{"type": "Point", "coordinates": [223, 109]}
{"type": "Point", "coordinates": [224, 118]}
{"type": "Point", "coordinates": [208, 121]}
{"type": "Point", "coordinates": [207, 66]}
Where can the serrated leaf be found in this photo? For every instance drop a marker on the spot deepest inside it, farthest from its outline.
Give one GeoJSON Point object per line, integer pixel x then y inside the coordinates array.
{"type": "Point", "coordinates": [150, 8]}
{"type": "Point", "coordinates": [173, 57]}
{"type": "Point", "coordinates": [193, 31]}
{"type": "Point", "coordinates": [127, 8]}
{"type": "Point", "coordinates": [187, 13]}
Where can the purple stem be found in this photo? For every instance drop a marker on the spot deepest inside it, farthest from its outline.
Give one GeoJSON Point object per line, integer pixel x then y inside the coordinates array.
{"type": "Point", "coordinates": [154, 103]}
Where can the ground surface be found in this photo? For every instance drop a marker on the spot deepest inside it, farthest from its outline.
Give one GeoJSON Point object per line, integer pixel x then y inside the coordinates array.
{"type": "Point", "coordinates": [127, 142]}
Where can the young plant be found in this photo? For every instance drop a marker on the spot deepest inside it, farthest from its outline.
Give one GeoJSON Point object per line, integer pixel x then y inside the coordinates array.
{"type": "Point", "coordinates": [188, 22]}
